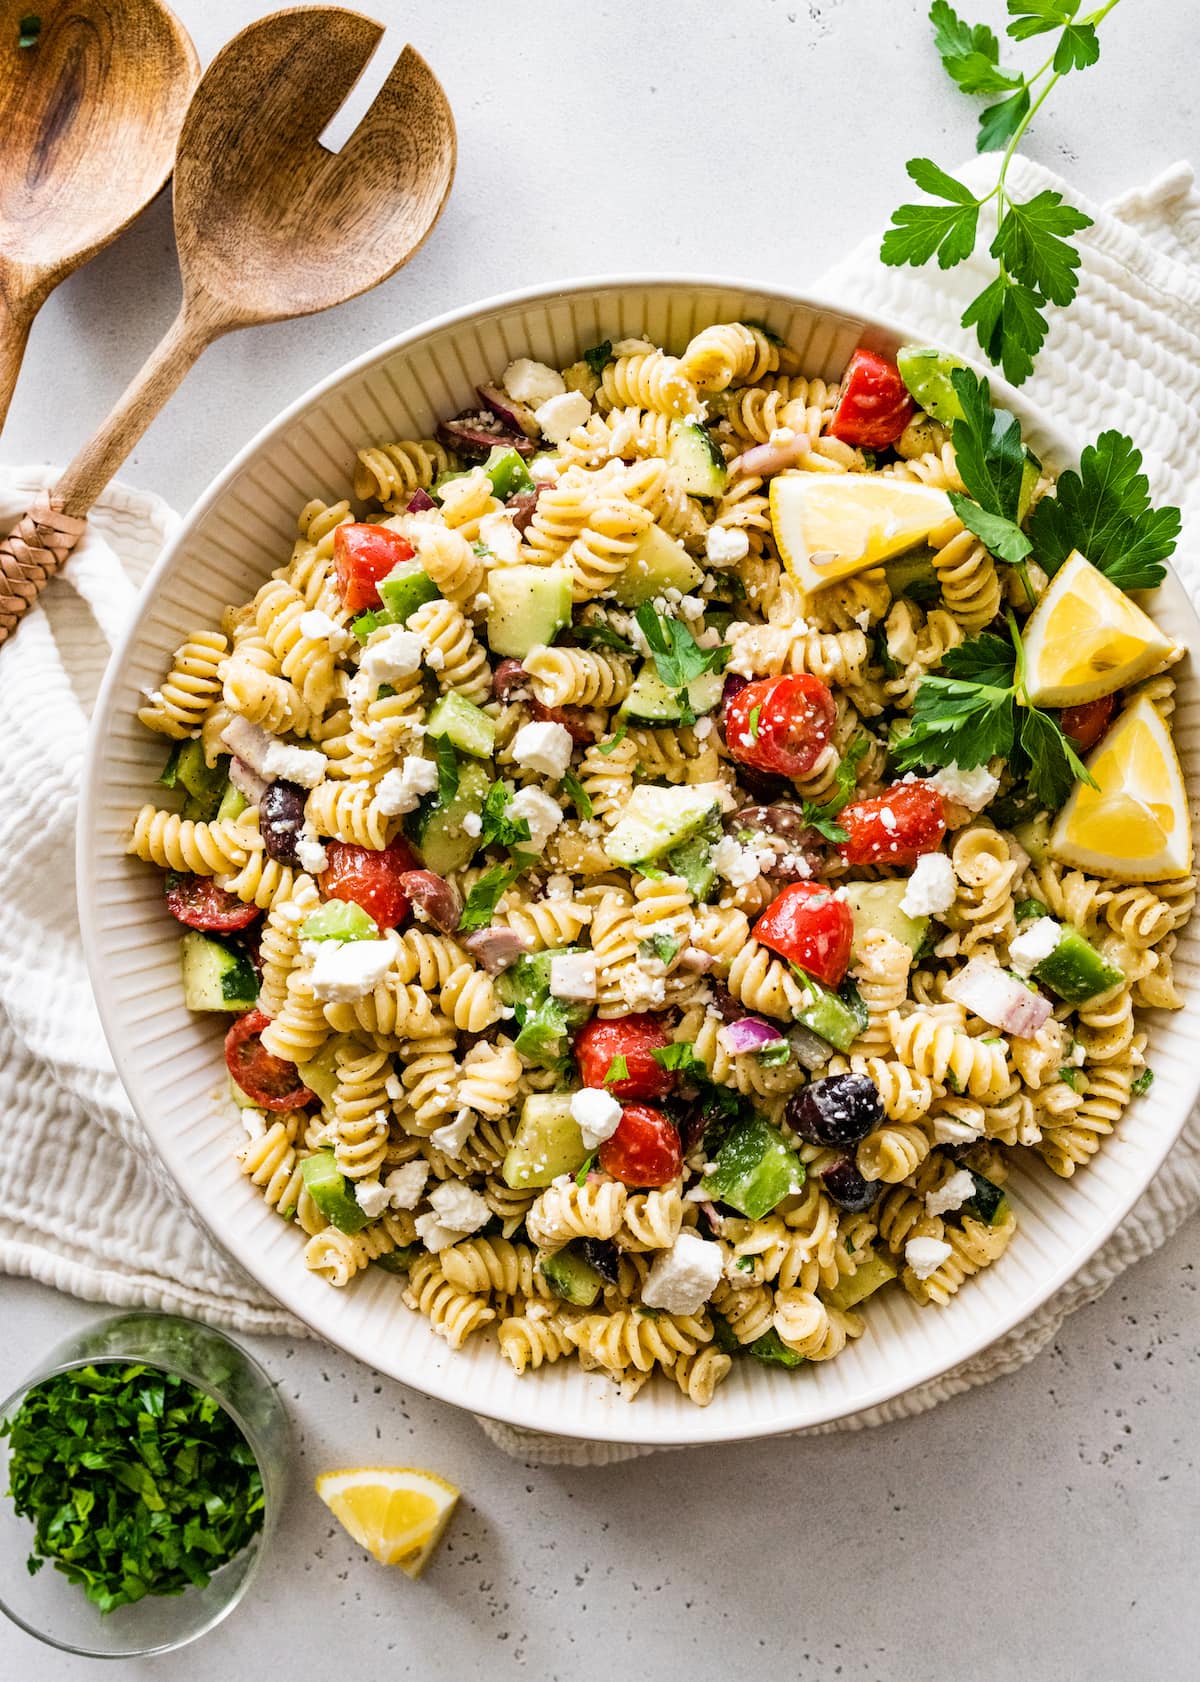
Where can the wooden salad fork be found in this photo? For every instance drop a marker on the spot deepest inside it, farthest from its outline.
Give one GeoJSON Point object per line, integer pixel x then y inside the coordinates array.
{"type": "Point", "coordinates": [269, 225]}
{"type": "Point", "coordinates": [92, 97]}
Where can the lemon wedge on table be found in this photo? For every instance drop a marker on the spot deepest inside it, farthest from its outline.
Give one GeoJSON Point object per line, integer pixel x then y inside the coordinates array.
{"type": "Point", "coordinates": [1135, 825]}
{"type": "Point", "coordinates": [398, 1513]}
{"type": "Point", "coordinates": [831, 525]}
{"type": "Point", "coordinates": [1085, 638]}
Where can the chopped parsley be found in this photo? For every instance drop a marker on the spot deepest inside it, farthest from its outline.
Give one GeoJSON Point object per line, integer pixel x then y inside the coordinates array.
{"type": "Point", "coordinates": [755, 715]}
{"type": "Point", "coordinates": [662, 947]}
{"type": "Point", "coordinates": [823, 817]}
{"type": "Point", "coordinates": [496, 826]}
{"type": "Point", "coordinates": [600, 636]}
{"type": "Point", "coordinates": [618, 1069]}
{"type": "Point", "coordinates": [614, 742]}
{"type": "Point", "coordinates": [1072, 1077]}
{"type": "Point", "coordinates": [486, 894]}
{"type": "Point", "coordinates": [577, 795]}
{"type": "Point", "coordinates": [447, 770]}
{"type": "Point", "coordinates": [585, 1168]}
{"type": "Point", "coordinates": [1143, 1083]}
{"type": "Point", "coordinates": [678, 657]}
{"type": "Point", "coordinates": [598, 357]}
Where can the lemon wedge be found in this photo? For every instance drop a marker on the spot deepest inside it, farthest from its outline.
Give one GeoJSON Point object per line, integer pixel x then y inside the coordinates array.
{"type": "Point", "coordinates": [1135, 824]}
{"type": "Point", "coordinates": [831, 525]}
{"type": "Point", "coordinates": [1085, 638]}
{"type": "Point", "coordinates": [398, 1513]}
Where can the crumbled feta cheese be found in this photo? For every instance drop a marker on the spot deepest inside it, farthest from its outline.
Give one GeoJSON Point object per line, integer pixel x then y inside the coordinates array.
{"type": "Point", "coordinates": [390, 654]}
{"type": "Point", "coordinates": [781, 435]}
{"type": "Point", "coordinates": [545, 469]}
{"type": "Point", "coordinates": [972, 789]}
{"type": "Point", "coordinates": [458, 1207]}
{"type": "Point", "coordinates": [254, 1122]}
{"type": "Point", "coordinates": [499, 534]}
{"type": "Point", "coordinates": [311, 852]}
{"type": "Point", "coordinates": [406, 1184]}
{"type": "Point", "coordinates": [532, 382]}
{"type": "Point", "coordinates": [1036, 941]}
{"type": "Point", "coordinates": [598, 1115]}
{"type": "Point", "coordinates": [888, 819]}
{"type": "Point", "coordinates": [435, 659]}
{"type": "Point", "coordinates": [295, 765]}
{"type": "Point", "coordinates": [958, 1189]}
{"type": "Point", "coordinates": [321, 628]}
{"type": "Point", "coordinates": [544, 747]}
{"type": "Point", "coordinates": [541, 813]}
{"type": "Point", "coordinates": [559, 887]}
{"type": "Point", "coordinates": [472, 824]}
{"type": "Point", "coordinates": [433, 1234]}
{"type": "Point", "coordinates": [559, 417]}
{"type": "Point", "coordinates": [573, 976]}
{"type": "Point", "coordinates": [345, 970]}
{"type": "Point", "coordinates": [394, 1089]}
{"type": "Point", "coordinates": [949, 1131]}
{"type": "Point", "coordinates": [738, 865]}
{"type": "Point", "coordinates": [454, 1134]}
{"type": "Point", "coordinates": [371, 1197]}
{"type": "Point", "coordinates": [684, 1277]}
{"type": "Point", "coordinates": [923, 1255]}
{"type": "Point", "coordinates": [641, 990]}
{"type": "Point", "coordinates": [691, 607]}
{"type": "Point", "coordinates": [702, 729]}
{"type": "Point", "coordinates": [401, 788]}
{"type": "Point", "coordinates": [931, 887]}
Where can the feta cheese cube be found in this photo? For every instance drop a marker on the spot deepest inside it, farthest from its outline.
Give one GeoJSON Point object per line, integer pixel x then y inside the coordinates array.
{"type": "Point", "coordinates": [503, 539]}
{"type": "Point", "coordinates": [958, 1189]}
{"type": "Point", "coordinates": [433, 1234]}
{"type": "Point", "coordinates": [544, 747]}
{"type": "Point", "coordinates": [923, 1255]}
{"type": "Point", "coordinates": [406, 1184]}
{"type": "Point", "coordinates": [304, 766]}
{"type": "Point", "coordinates": [371, 1197]}
{"type": "Point", "coordinates": [345, 970]}
{"type": "Point", "coordinates": [458, 1207]}
{"type": "Point", "coordinates": [472, 824]}
{"type": "Point", "coordinates": [541, 813]}
{"type": "Point", "coordinates": [683, 1278]}
{"type": "Point", "coordinates": [559, 416]}
{"type": "Point", "coordinates": [1036, 941]}
{"type": "Point", "coordinates": [532, 382]}
{"type": "Point", "coordinates": [401, 788]}
{"type": "Point", "coordinates": [573, 976]}
{"type": "Point", "coordinates": [970, 788]}
{"type": "Point", "coordinates": [931, 887]}
{"type": "Point", "coordinates": [451, 1137]}
{"type": "Point", "coordinates": [598, 1114]}
{"type": "Point", "coordinates": [311, 852]}
{"type": "Point", "coordinates": [738, 865]}
{"type": "Point", "coordinates": [391, 653]}
{"type": "Point", "coordinates": [322, 628]}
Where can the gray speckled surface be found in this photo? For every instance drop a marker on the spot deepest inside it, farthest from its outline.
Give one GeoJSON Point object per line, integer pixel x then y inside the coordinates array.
{"type": "Point", "coordinates": [1043, 1527]}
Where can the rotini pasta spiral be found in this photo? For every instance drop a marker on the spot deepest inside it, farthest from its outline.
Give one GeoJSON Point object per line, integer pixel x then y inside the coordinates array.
{"type": "Point", "coordinates": [189, 688]}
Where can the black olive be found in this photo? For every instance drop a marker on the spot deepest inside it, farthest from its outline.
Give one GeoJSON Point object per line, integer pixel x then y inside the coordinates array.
{"type": "Point", "coordinates": [839, 1110]}
{"type": "Point", "coordinates": [281, 818]}
{"type": "Point", "coordinates": [603, 1255]}
{"type": "Point", "coordinates": [847, 1187]}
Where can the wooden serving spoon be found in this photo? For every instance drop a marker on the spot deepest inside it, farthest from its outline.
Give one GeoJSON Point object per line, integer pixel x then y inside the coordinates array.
{"type": "Point", "coordinates": [269, 225]}
{"type": "Point", "coordinates": [90, 111]}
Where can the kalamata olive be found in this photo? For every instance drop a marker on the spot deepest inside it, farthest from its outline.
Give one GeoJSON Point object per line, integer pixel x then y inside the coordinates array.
{"type": "Point", "coordinates": [763, 785]}
{"type": "Point", "coordinates": [579, 722]}
{"type": "Point", "coordinates": [476, 434]}
{"type": "Point", "coordinates": [839, 1110]}
{"type": "Point", "coordinates": [603, 1255]}
{"type": "Point", "coordinates": [509, 675]}
{"type": "Point", "coordinates": [796, 845]}
{"type": "Point", "coordinates": [281, 818]}
{"type": "Point", "coordinates": [495, 949]}
{"type": "Point", "coordinates": [521, 507]}
{"type": "Point", "coordinates": [733, 685]}
{"type": "Point", "coordinates": [725, 1005]}
{"type": "Point", "coordinates": [509, 411]}
{"type": "Point", "coordinates": [439, 900]}
{"type": "Point", "coordinates": [420, 502]}
{"type": "Point", "coordinates": [847, 1188]}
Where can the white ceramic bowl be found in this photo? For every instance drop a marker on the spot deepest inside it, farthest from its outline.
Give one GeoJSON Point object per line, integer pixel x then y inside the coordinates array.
{"type": "Point", "coordinates": [171, 1062]}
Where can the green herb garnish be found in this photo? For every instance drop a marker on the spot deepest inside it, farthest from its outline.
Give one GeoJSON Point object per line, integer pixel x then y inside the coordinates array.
{"type": "Point", "coordinates": [1104, 511]}
{"type": "Point", "coordinates": [495, 825]}
{"type": "Point", "coordinates": [755, 715]}
{"type": "Point", "coordinates": [1072, 1077]}
{"type": "Point", "coordinates": [600, 636]}
{"type": "Point", "coordinates": [577, 795]}
{"type": "Point", "coordinates": [585, 1168]}
{"type": "Point", "coordinates": [137, 1482]}
{"type": "Point", "coordinates": [485, 895]}
{"type": "Point", "coordinates": [614, 742]}
{"type": "Point", "coordinates": [662, 947]}
{"type": "Point", "coordinates": [598, 357]}
{"type": "Point", "coordinates": [822, 817]}
{"type": "Point", "coordinates": [29, 28]}
{"type": "Point", "coordinates": [678, 657]}
{"type": "Point", "coordinates": [680, 1057]}
{"type": "Point", "coordinates": [1143, 1083]}
{"type": "Point", "coordinates": [618, 1069]}
{"type": "Point", "coordinates": [447, 769]}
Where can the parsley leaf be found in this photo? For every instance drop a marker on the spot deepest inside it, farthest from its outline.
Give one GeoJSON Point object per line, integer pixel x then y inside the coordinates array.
{"type": "Point", "coordinates": [1071, 1076]}
{"type": "Point", "coordinates": [822, 817]}
{"type": "Point", "coordinates": [755, 715]}
{"type": "Point", "coordinates": [987, 446]}
{"type": "Point", "coordinates": [1104, 511]}
{"type": "Point", "coordinates": [1009, 325]}
{"type": "Point", "coordinates": [485, 895]}
{"type": "Point", "coordinates": [1143, 1083]}
{"type": "Point", "coordinates": [1004, 538]}
{"type": "Point", "coordinates": [577, 794]}
{"type": "Point", "coordinates": [970, 53]}
{"type": "Point", "coordinates": [496, 825]}
{"type": "Point", "coordinates": [921, 231]}
{"type": "Point", "coordinates": [1037, 17]}
{"type": "Point", "coordinates": [1054, 766]}
{"type": "Point", "coordinates": [601, 636]}
{"type": "Point", "coordinates": [598, 357]}
{"type": "Point", "coordinates": [618, 1069]}
{"type": "Point", "coordinates": [1030, 244]}
{"type": "Point", "coordinates": [662, 947]}
{"type": "Point", "coordinates": [585, 1168]}
{"type": "Point", "coordinates": [681, 1057]}
{"type": "Point", "coordinates": [447, 769]}
{"type": "Point", "coordinates": [678, 657]}
{"type": "Point", "coordinates": [614, 742]}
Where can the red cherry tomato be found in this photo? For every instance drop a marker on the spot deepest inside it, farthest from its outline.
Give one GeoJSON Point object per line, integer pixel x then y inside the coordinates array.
{"type": "Point", "coordinates": [198, 902]}
{"type": "Point", "coordinates": [780, 724]}
{"type": "Point", "coordinates": [895, 827]}
{"type": "Point", "coordinates": [270, 1082]}
{"type": "Point", "coordinates": [362, 555]}
{"type": "Point", "coordinates": [370, 878]}
{"type": "Point", "coordinates": [632, 1037]}
{"type": "Point", "coordinates": [645, 1150]}
{"type": "Point", "coordinates": [811, 928]}
{"type": "Point", "coordinates": [875, 406]}
{"type": "Point", "coordinates": [1086, 723]}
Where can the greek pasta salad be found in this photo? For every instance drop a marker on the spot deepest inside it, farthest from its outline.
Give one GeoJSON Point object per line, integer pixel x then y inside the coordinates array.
{"type": "Point", "coordinates": [669, 854]}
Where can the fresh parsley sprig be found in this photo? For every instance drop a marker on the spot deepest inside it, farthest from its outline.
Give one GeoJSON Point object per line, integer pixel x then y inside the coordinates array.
{"type": "Point", "coordinates": [1104, 511]}
{"type": "Point", "coordinates": [823, 817]}
{"type": "Point", "coordinates": [991, 462]}
{"type": "Point", "coordinates": [1036, 263]}
{"type": "Point", "coordinates": [495, 824]}
{"type": "Point", "coordinates": [678, 657]}
{"type": "Point", "coordinates": [484, 897]}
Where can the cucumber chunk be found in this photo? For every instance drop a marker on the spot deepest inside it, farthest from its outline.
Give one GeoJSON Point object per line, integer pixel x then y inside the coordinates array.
{"type": "Point", "coordinates": [692, 860]}
{"type": "Point", "coordinates": [233, 803]}
{"type": "Point", "coordinates": [467, 726]}
{"type": "Point", "coordinates": [989, 1202]}
{"type": "Point", "coordinates": [404, 590]}
{"type": "Point", "coordinates": [658, 819]}
{"type": "Point", "coordinates": [876, 905]}
{"type": "Point", "coordinates": [215, 977]}
{"type": "Point", "coordinates": [771, 1349]}
{"type": "Point", "coordinates": [837, 1017]}
{"type": "Point", "coordinates": [545, 1022]}
{"type": "Point", "coordinates": [204, 786]}
{"type": "Point", "coordinates": [913, 576]}
{"type": "Point", "coordinates": [872, 1272]}
{"type": "Point", "coordinates": [698, 462]}
{"type": "Point", "coordinates": [650, 701]}
{"type": "Point", "coordinates": [547, 1142]}
{"type": "Point", "coordinates": [529, 606]}
{"type": "Point", "coordinates": [926, 372]}
{"type": "Point", "coordinates": [319, 1074]}
{"type": "Point", "coordinates": [399, 1260]}
{"type": "Point", "coordinates": [657, 564]}
{"type": "Point", "coordinates": [243, 1100]}
{"type": "Point", "coordinates": [1075, 970]}
{"type": "Point", "coordinates": [438, 830]}
{"type": "Point", "coordinates": [332, 1192]}
{"type": "Point", "coordinates": [508, 473]}
{"type": "Point", "coordinates": [571, 1277]}
{"type": "Point", "coordinates": [754, 1170]}
{"type": "Point", "coordinates": [339, 919]}
{"type": "Point", "coordinates": [1034, 836]}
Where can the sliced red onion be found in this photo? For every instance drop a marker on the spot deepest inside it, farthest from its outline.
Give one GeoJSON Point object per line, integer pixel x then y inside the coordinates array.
{"type": "Point", "coordinates": [248, 742]}
{"type": "Point", "coordinates": [509, 410]}
{"type": "Point", "coordinates": [999, 998]}
{"type": "Point", "coordinates": [247, 781]}
{"type": "Point", "coordinates": [764, 459]}
{"type": "Point", "coordinates": [438, 899]}
{"type": "Point", "coordinates": [748, 1033]}
{"type": "Point", "coordinates": [496, 949]}
{"type": "Point", "coordinates": [695, 961]}
{"type": "Point", "coordinates": [420, 502]}
{"type": "Point", "coordinates": [509, 675]}
{"type": "Point", "coordinates": [709, 1211]}
{"type": "Point", "coordinates": [476, 435]}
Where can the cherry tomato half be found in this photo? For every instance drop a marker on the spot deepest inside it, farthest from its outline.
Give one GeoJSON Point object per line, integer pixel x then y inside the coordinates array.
{"type": "Point", "coordinates": [894, 827]}
{"type": "Point", "coordinates": [810, 927]}
{"type": "Point", "coordinates": [1086, 723]}
{"type": "Point", "coordinates": [270, 1082]}
{"type": "Point", "coordinates": [362, 555]}
{"type": "Point", "coordinates": [634, 1038]}
{"type": "Point", "coordinates": [199, 903]}
{"type": "Point", "coordinates": [370, 878]}
{"type": "Point", "coordinates": [875, 405]}
{"type": "Point", "coordinates": [645, 1150]}
{"type": "Point", "coordinates": [780, 724]}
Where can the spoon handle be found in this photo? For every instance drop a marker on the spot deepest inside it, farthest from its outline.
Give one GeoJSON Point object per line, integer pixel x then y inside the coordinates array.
{"type": "Point", "coordinates": [16, 317]}
{"type": "Point", "coordinates": [43, 538]}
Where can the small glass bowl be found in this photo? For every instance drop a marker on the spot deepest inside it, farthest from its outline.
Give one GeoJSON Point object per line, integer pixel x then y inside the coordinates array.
{"type": "Point", "coordinates": [54, 1609]}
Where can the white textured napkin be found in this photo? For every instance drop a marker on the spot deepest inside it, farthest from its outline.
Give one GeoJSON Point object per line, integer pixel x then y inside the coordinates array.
{"type": "Point", "coordinates": [84, 1204]}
